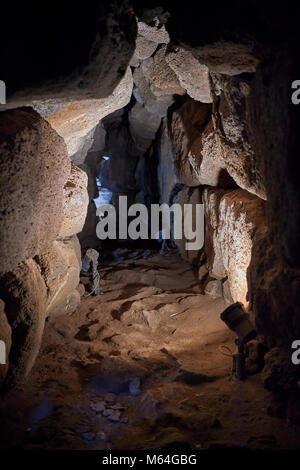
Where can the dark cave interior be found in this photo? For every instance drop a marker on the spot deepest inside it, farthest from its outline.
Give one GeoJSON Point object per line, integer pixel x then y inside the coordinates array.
{"type": "Point", "coordinates": [147, 102]}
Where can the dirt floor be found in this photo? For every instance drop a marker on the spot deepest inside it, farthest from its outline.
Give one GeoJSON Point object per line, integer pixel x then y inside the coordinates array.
{"type": "Point", "coordinates": [142, 366]}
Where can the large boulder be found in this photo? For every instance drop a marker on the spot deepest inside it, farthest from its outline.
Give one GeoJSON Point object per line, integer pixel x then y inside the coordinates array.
{"type": "Point", "coordinates": [205, 157]}
{"type": "Point", "coordinates": [233, 218]}
{"type": "Point", "coordinates": [75, 203]}
{"type": "Point", "coordinates": [34, 167]}
{"type": "Point", "coordinates": [5, 336]}
{"type": "Point", "coordinates": [60, 267]}
{"type": "Point", "coordinates": [24, 293]}
{"type": "Point", "coordinates": [163, 79]}
{"type": "Point", "coordinates": [154, 29]}
{"type": "Point", "coordinates": [192, 75]}
{"type": "Point", "coordinates": [75, 121]}
{"type": "Point", "coordinates": [143, 48]}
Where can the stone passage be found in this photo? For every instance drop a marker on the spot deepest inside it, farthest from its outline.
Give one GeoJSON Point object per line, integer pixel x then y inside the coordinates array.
{"type": "Point", "coordinates": [161, 104]}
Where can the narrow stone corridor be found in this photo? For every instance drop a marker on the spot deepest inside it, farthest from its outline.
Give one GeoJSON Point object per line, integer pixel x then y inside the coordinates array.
{"type": "Point", "coordinates": [149, 226]}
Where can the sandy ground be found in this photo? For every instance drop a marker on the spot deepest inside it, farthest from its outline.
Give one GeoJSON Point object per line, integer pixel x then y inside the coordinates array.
{"type": "Point", "coordinates": [141, 367]}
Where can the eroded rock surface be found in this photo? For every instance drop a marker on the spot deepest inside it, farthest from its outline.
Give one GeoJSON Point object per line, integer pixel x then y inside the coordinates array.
{"type": "Point", "coordinates": [143, 48]}
{"type": "Point", "coordinates": [24, 293]}
{"type": "Point", "coordinates": [75, 121]}
{"type": "Point", "coordinates": [235, 133]}
{"type": "Point", "coordinates": [76, 200]}
{"type": "Point", "coordinates": [60, 267]}
{"type": "Point", "coordinates": [34, 167]}
{"type": "Point", "coordinates": [232, 220]}
{"type": "Point", "coordinates": [155, 31]}
{"type": "Point", "coordinates": [193, 76]}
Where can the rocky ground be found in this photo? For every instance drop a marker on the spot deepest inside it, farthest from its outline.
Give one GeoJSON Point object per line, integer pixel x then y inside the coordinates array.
{"type": "Point", "coordinates": [142, 366]}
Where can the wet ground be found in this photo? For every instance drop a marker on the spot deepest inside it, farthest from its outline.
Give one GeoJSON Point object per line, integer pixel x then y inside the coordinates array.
{"type": "Point", "coordinates": [142, 366]}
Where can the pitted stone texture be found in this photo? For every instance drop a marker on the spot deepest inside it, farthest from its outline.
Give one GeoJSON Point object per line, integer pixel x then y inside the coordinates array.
{"type": "Point", "coordinates": [34, 167]}
{"type": "Point", "coordinates": [76, 120]}
{"type": "Point", "coordinates": [205, 158]}
{"type": "Point", "coordinates": [233, 218]}
{"type": "Point", "coordinates": [162, 77]}
{"type": "Point", "coordinates": [75, 203]}
{"type": "Point", "coordinates": [156, 33]}
{"type": "Point", "coordinates": [143, 48]}
{"type": "Point", "coordinates": [60, 268]}
{"type": "Point", "coordinates": [24, 293]}
{"type": "Point", "coordinates": [192, 75]}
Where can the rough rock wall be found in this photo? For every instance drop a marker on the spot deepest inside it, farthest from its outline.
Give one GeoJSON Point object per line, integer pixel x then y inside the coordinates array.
{"type": "Point", "coordinates": [60, 263]}
{"type": "Point", "coordinates": [274, 274]}
{"type": "Point", "coordinates": [238, 146]}
{"type": "Point", "coordinates": [75, 121]}
{"type": "Point", "coordinates": [229, 134]}
{"type": "Point", "coordinates": [233, 219]}
{"type": "Point", "coordinates": [34, 168]}
{"type": "Point", "coordinates": [44, 201]}
{"type": "Point", "coordinates": [60, 268]}
{"type": "Point", "coordinates": [24, 293]}
{"type": "Point", "coordinates": [44, 198]}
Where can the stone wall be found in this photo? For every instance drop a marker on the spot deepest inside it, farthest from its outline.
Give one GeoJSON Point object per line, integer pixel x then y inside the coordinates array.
{"type": "Point", "coordinates": [210, 112]}
{"type": "Point", "coordinates": [43, 205]}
